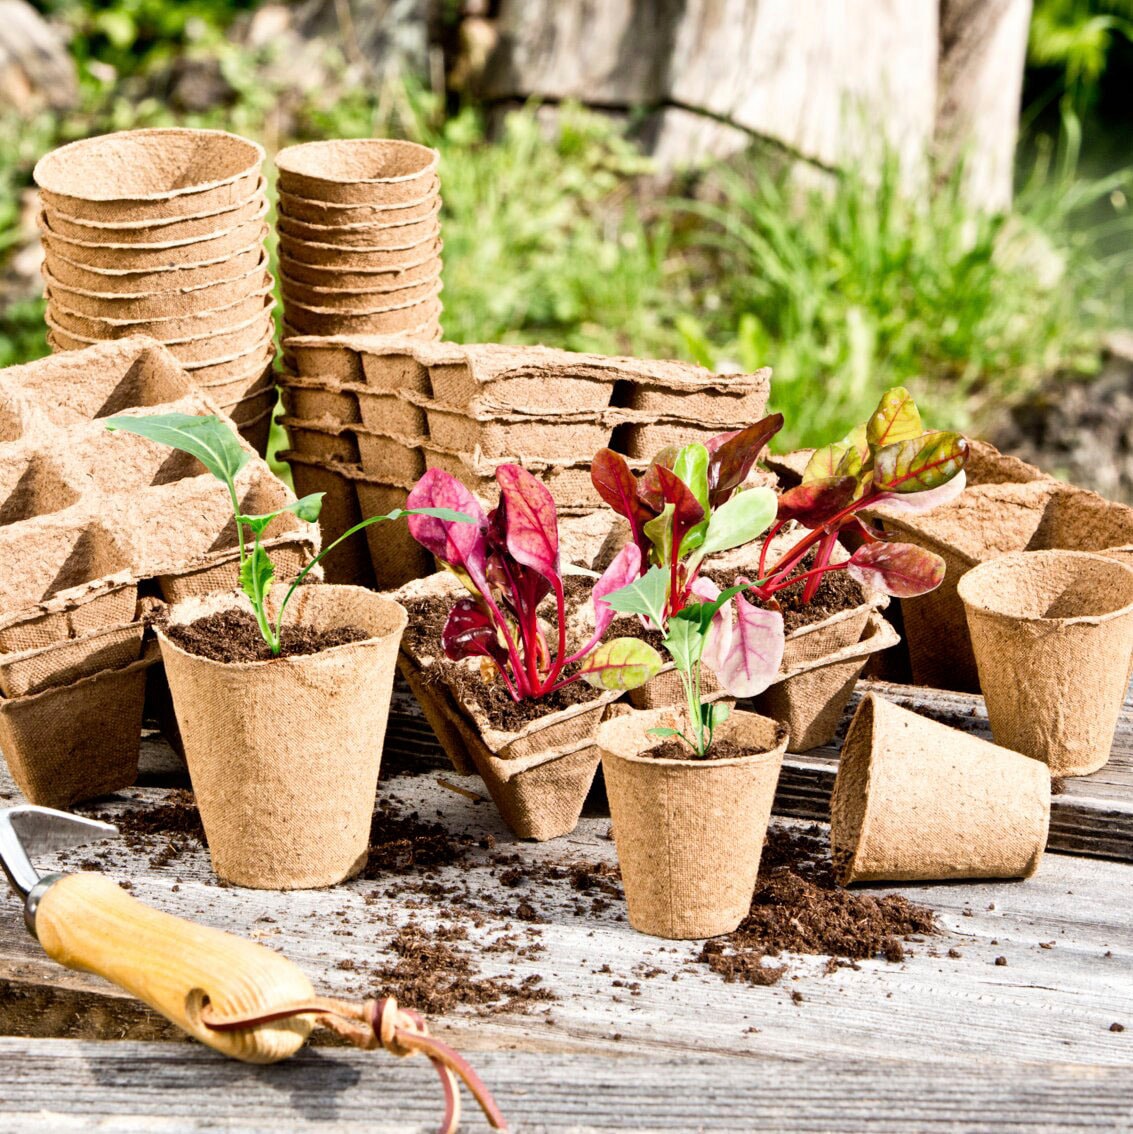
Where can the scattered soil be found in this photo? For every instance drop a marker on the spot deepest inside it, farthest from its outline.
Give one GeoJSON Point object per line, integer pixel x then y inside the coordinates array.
{"type": "Point", "coordinates": [422, 637]}
{"type": "Point", "coordinates": [234, 636]}
{"type": "Point", "coordinates": [165, 830]}
{"type": "Point", "coordinates": [677, 749]}
{"type": "Point", "coordinates": [799, 908]}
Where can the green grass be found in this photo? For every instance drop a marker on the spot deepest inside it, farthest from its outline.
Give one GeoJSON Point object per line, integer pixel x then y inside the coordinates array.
{"type": "Point", "coordinates": [553, 235]}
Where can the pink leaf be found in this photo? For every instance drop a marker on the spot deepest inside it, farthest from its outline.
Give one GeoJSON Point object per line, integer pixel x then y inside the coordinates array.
{"type": "Point", "coordinates": [914, 503]}
{"type": "Point", "coordinates": [622, 571]}
{"type": "Point", "coordinates": [755, 653]}
{"type": "Point", "coordinates": [719, 639]}
{"type": "Point", "coordinates": [899, 569]}
{"type": "Point", "coordinates": [458, 544]}
{"type": "Point", "coordinates": [817, 501]}
{"type": "Point", "coordinates": [531, 520]}
{"type": "Point", "coordinates": [469, 632]}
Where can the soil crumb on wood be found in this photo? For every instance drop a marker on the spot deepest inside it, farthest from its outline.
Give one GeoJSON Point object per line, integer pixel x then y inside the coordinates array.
{"type": "Point", "coordinates": [234, 636]}
{"type": "Point", "coordinates": [165, 831]}
{"type": "Point", "coordinates": [484, 688]}
{"type": "Point", "coordinates": [799, 908]}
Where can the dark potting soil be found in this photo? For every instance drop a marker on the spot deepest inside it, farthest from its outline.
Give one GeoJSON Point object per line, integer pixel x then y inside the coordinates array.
{"type": "Point", "coordinates": [422, 637]}
{"type": "Point", "coordinates": [234, 636]}
{"type": "Point", "coordinates": [164, 831]}
{"type": "Point", "coordinates": [677, 749]}
{"type": "Point", "coordinates": [798, 907]}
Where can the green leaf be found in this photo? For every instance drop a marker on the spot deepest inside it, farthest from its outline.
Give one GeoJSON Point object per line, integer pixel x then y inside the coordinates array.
{"type": "Point", "coordinates": [208, 439]}
{"type": "Point", "coordinates": [623, 663]}
{"type": "Point", "coordinates": [717, 713]}
{"type": "Point", "coordinates": [895, 419]}
{"type": "Point", "coordinates": [739, 520]}
{"type": "Point", "coordinates": [833, 461]}
{"type": "Point", "coordinates": [659, 532]}
{"type": "Point", "coordinates": [920, 463]}
{"type": "Point", "coordinates": [645, 596]}
{"type": "Point", "coordinates": [664, 733]}
{"type": "Point", "coordinates": [685, 640]}
{"type": "Point", "coordinates": [307, 508]}
{"type": "Point", "coordinates": [256, 576]}
{"type": "Point", "coordinates": [691, 466]}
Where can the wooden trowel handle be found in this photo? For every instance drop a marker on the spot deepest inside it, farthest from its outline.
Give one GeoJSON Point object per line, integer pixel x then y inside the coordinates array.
{"type": "Point", "coordinates": [88, 922]}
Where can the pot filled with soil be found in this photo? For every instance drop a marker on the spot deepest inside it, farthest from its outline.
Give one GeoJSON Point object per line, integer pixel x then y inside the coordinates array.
{"type": "Point", "coordinates": [915, 800]}
{"type": "Point", "coordinates": [689, 830]}
{"type": "Point", "coordinates": [508, 687]}
{"type": "Point", "coordinates": [284, 750]}
{"type": "Point", "coordinates": [1052, 633]}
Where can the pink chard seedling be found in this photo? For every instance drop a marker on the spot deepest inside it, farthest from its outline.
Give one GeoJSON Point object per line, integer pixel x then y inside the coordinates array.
{"type": "Point", "coordinates": [217, 447]}
{"type": "Point", "coordinates": [508, 560]}
{"type": "Point", "coordinates": [891, 460]}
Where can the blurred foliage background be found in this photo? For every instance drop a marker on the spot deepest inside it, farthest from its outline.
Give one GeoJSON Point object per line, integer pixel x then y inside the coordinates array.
{"type": "Point", "coordinates": [567, 236]}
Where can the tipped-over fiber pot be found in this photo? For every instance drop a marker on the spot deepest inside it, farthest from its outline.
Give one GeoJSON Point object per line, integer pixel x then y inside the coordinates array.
{"type": "Point", "coordinates": [284, 754]}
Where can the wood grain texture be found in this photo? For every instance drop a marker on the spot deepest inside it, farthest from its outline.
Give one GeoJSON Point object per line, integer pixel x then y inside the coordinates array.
{"type": "Point", "coordinates": [60, 1085]}
{"type": "Point", "coordinates": [86, 922]}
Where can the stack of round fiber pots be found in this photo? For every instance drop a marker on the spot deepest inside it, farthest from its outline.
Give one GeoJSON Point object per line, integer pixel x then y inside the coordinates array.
{"type": "Point", "coordinates": [161, 233]}
{"type": "Point", "coordinates": [359, 238]}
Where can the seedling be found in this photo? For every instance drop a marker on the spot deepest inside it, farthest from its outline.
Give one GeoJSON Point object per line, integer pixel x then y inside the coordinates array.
{"type": "Point", "coordinates": [745, 658]}
{"type": "Point", "coordinates": [216, 446]}
{"type": "Point", "coordinates": [508, 560]}
{"type": "Point", "coordinates": [688, 504]}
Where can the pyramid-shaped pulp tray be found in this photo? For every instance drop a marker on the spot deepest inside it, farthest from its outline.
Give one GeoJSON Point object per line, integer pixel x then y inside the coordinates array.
{"type": "Point", "coordinates": [367, 416]}
{"type": "Point", "coordinates": [90, 524]}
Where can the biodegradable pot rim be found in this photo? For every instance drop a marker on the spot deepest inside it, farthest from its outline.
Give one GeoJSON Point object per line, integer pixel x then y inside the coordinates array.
{"type": "Point", "coordinates": [258, 243]}
{"type": "Point", "coordinates": [158, 246]}
{"type": "Point", "coordinates": [287, 243]}
{"type": "Point", "coordinates": [43, 173]}
{"type": "Point", "coordinates": [427, 298]}
{"type": "Point", "coordinates": [972, 583]}
{"type": "Point", "coordinates": [315, 204]}
{"type": "Point", "coordinates": [264, 290]}
{"type": "Point", "coordinates": [337, 270]}
{"type": "Point", "coordinates": [775, 752]}
{"type": "Point", "coordinates": [285, 280]}
{"type": "Point", "coordinates": [158, 222]}
{"type": "Point", "coordinates": [356, 226]}
{"type": "Point", "coordinates": [215, 332]}
{"type": "Point", "coordinates": [289, 161]}
{"type": "Point", "coordinates": [298, 660]}
{"type": "Point", "coordinates": [133, 297]}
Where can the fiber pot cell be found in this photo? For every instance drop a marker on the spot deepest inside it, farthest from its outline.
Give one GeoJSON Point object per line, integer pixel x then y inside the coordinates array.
{"type": "Point", "coordinates": [539, 775]}
{"type": "Point", "coordinates": [364, 171]}
{"type": "Point", "coordinates": [917, 801]}
{"type": "Point", "coordinates": [689, 833]}
{"type": "Point", "coordinates": [284, 754]}
{"type": "Point", "coordinates": [1052, 633]}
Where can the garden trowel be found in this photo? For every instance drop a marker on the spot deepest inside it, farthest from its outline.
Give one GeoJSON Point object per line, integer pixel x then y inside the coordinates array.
{"type": "Point", "coordinates": [242, 999]}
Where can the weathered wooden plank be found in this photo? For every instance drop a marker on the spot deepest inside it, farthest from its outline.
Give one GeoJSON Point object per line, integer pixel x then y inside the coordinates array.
{"type": "Point", "coordinates": [63, 1085]}
{"type": "Point", "coordinates": [1066, 936]}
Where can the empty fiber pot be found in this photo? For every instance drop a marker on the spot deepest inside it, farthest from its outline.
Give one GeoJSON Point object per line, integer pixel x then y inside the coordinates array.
{"type": "Point", "coordinates": [915, 800]}
{"type": "Point", "coordinates": [323, 212]}
{"type": "Point", "coordinates": [689, 833]}
{"type": "Point", "coordinates": [143, 175]}
{"type": "Point", "coordinates": [351, 300]}
{"type": "Point", "coordinates": [413, 319]}
{"type": "Point", "coordinates": [368, 236]}
{"type": "Point", "coordinates": [397, 271]}
{"type": "Point", "coordinates": [284, 754]}
{"type": "Point", "coordinates": [1052, 633]}
{"type": "Point", "coordinates": [362, 171]}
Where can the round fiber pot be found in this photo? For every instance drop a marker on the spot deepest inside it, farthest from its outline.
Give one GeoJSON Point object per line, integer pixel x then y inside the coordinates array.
{"type": "Point", "coordinates": [155, 232]}
{"type": "Point", "coordinates": [323, 212]}
{"type": "Point", "coordinates": [157, 304]}
{"type": "Point", "coordinates": [362, 171]}
{"type": "Point", "coordinates": [689, 833]}
{"type": "Point", "coordinates": [150, 280]}
{"type": "Point", "coordinates": [284, 754]}
{"type": "Point", "coordinates": [322, 255]}
{"type": "Point", "coordinates": [148, 175]}
{"type": "Point", "coordinates": [236, 365]}
{"type": "Point", "coordinates": [1052, 632]}
{"type": "Point", "coordinates": [424, 263]}
{"type": "Point", "coordinates": [915, 800]}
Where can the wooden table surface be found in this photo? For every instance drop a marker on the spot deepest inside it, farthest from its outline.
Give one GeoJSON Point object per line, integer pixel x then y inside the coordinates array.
{"type": "Point", "coordinates": [655, 1042]}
